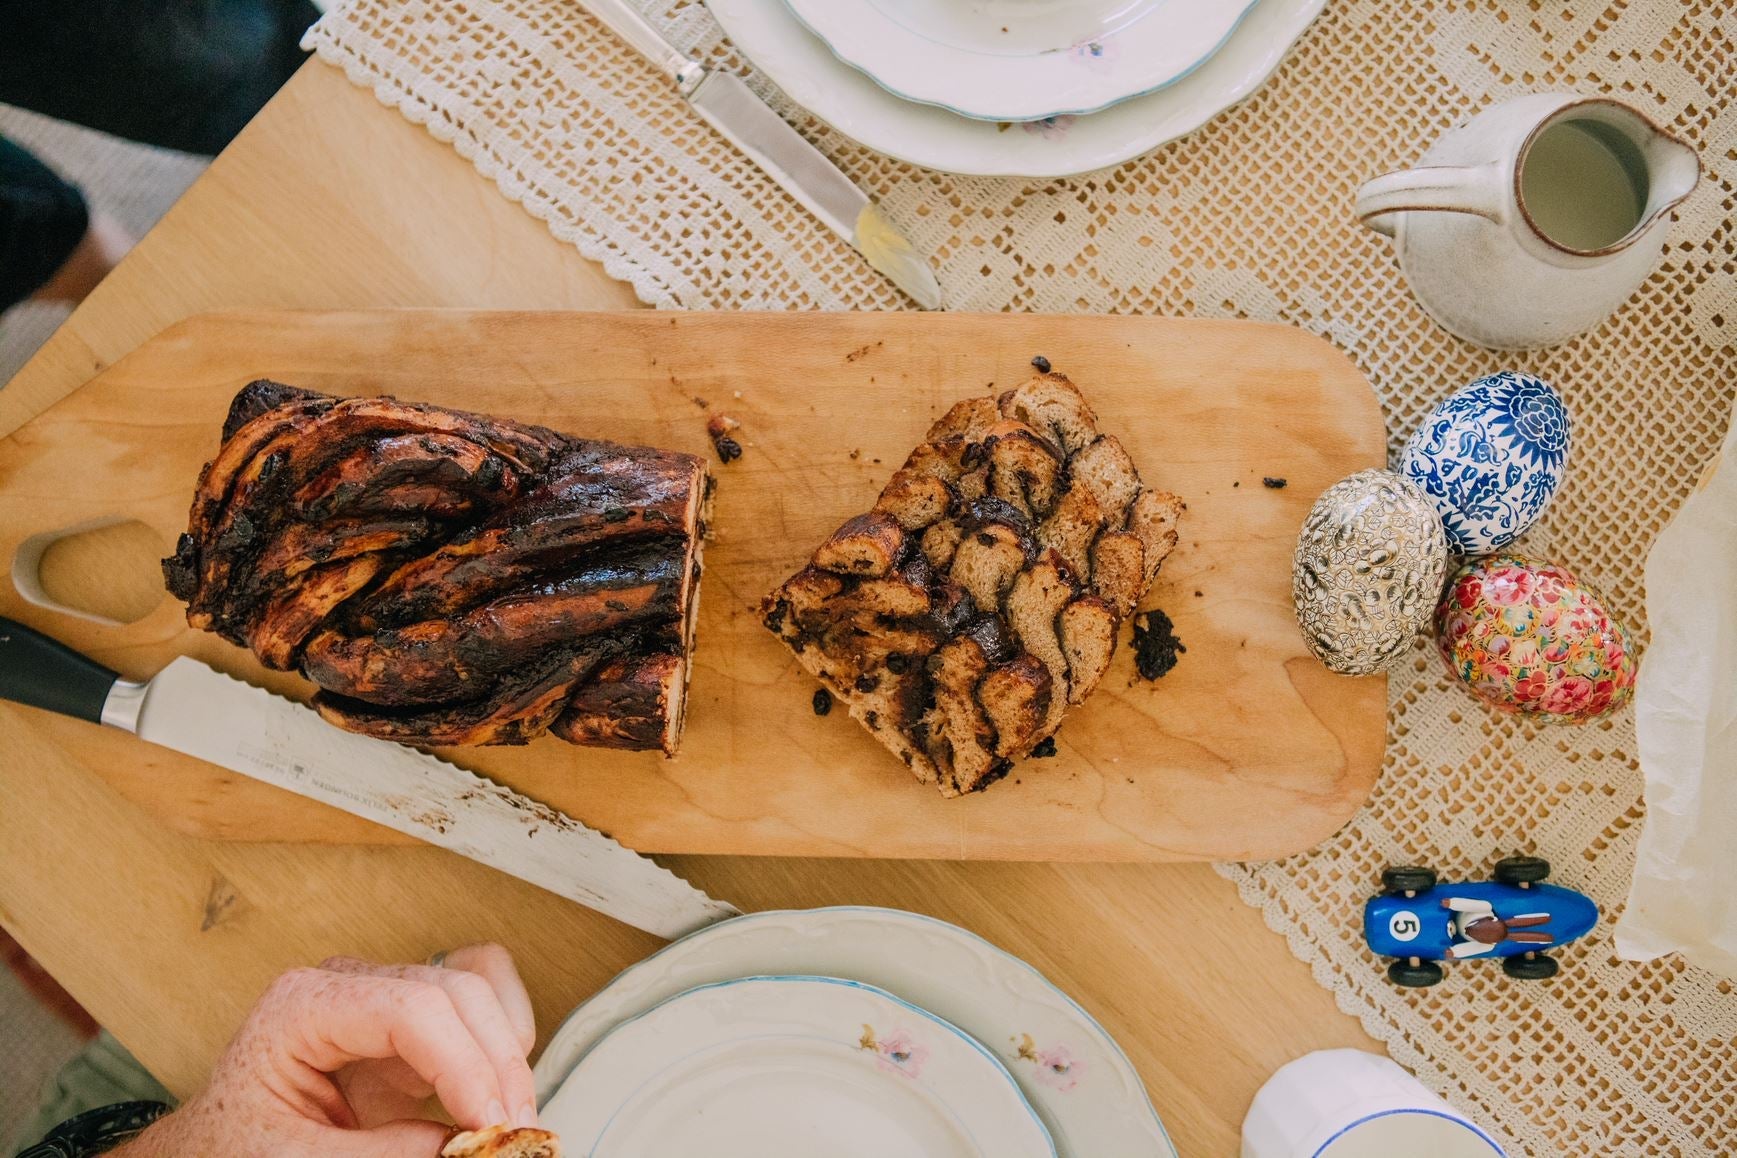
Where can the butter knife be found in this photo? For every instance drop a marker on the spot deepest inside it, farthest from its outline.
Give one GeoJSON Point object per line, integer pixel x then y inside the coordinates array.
{"type": "Point", "coordinates": [731, 107]}
{"type": "Point", "coordinates": [201, 711]}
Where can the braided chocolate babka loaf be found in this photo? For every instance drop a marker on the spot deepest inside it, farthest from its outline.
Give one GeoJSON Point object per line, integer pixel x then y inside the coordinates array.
{"type": "Point", "coordinates": [449, 578]}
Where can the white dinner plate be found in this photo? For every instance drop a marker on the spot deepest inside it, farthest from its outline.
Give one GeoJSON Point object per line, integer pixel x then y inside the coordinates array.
{"type": "Point", "coordinates": [797, 62]}
{"type": "Point", "coordinates": [1074, 1075]}
{"type": "Point", "coordinates": [792, 1067]}
{"type": "Point", "coordinates": [1022, 60]}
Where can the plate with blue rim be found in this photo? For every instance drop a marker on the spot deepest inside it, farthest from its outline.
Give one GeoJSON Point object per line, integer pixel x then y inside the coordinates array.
{"type": "Point", "coordinates": [1075, 1077]}
{"type": "Point", "coordinates": [790, 1067]}
{"type": "Point", "coordinates": [1022, 60]}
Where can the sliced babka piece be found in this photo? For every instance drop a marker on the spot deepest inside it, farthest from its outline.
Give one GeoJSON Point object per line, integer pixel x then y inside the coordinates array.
{"type": "Point", "coordinates": [983, 595]}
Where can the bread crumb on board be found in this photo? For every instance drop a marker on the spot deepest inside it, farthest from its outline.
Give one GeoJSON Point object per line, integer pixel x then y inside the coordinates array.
{"type": "Point", "coordinates": [718, 428]}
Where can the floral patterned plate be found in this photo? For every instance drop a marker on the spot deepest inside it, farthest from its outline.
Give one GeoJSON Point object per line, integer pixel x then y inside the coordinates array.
{"type": "Point", "coordinates": [1074, 1075]}
{"type": "Point", "coordinates": [791, 1067]}
{"type": "Point", "coordinates": [1022, 60]}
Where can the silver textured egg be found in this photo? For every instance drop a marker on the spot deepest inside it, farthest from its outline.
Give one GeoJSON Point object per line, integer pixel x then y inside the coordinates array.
{"type": "Point", "coordinates": [1367, 572]}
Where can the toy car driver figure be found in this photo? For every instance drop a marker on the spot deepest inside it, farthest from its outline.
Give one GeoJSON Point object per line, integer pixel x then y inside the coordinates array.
{"type": "Point", "coordinates": [1479, 930]}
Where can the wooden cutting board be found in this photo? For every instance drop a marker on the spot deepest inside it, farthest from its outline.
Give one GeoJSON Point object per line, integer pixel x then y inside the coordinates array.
{"type": "Point", "coordinates": [1248, 749]}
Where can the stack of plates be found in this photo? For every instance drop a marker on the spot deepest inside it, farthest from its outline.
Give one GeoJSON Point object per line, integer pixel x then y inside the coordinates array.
{"type": "Point", "coordinates": [846, 1032]}
{"type": "Point", "coordinates": [1030, 88]}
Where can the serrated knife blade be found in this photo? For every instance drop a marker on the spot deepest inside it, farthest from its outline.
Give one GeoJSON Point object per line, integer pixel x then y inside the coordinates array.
{"type": "Point", "coordinates": [204, 713]}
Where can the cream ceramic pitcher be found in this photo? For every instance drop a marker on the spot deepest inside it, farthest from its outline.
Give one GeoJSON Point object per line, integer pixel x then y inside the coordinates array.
{"type": "Point", "coordinates": [1534, 220]}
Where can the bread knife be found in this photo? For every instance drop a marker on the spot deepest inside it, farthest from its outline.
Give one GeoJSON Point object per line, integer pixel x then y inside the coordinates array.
{"type": "Point", "coordinates": [731, 107]}
{"type": "Point", "coordinates": [202, 712]}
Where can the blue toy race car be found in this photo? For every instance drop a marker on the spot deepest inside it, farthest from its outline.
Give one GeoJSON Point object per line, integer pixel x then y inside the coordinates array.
{"type": "Point", "coordinates": [1420, 921]}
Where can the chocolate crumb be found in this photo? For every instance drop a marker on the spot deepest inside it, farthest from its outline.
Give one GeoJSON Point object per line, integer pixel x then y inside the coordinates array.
{"type": "Point", "coordinates": [1197, 594]}
{"type": "Point", "coordinates": [855, 454]}
{"type": "Point", "coordinates": [718, 428]}
{"type": "Point", "coordinates": [1275, 484]}
{"type": "Point", "coordinates": [1045, 749]}
{"type": "Point", "coordinates": [872, 719]}
{"type": "Point", "coordinates": [867, 683]}
{"type": "Point", "coordinates": [1236, 484]}
{"type": "Point", "coordinates": [1156, 647]}
{"type": "Point", "coordinates": [822, 702]}
{"type": "Point", "coordinates": [1040, 364]}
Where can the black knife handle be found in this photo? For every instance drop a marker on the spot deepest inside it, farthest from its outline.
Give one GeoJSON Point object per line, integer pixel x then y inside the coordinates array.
{"type": "Point", "coordinates": [45, 673]}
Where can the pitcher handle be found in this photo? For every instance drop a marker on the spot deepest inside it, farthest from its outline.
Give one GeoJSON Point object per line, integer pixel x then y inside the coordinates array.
{"type": "Point", "coordinates": [1474, 189]}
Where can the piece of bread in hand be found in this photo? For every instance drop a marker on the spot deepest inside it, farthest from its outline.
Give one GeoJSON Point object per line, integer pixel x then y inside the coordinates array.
{"type": "Point", "coordinates": [503, 1142]}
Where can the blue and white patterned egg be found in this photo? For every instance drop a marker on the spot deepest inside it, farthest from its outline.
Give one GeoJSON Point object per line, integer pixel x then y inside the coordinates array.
{"type": "Point", "coordinates": [1490, 457]}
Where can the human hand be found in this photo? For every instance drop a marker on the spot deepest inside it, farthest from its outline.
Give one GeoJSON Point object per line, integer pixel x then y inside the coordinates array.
{"type": "Point", "coordinates": [338, 1061]}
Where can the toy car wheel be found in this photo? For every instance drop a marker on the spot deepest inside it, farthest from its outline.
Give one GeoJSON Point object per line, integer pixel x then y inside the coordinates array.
{"type": "Point", "coordinates": [1419, 976]}
{"type": "Point", "coordinates": [1521, 870]}
{"type": "Point", "coordinates": [1407, 879]}
{"type": "Point", "coordinates": [1535, 968]}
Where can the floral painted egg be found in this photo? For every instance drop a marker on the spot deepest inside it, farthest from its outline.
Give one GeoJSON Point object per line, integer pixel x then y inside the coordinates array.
{"type": "Point", "coordinates": [1490, 458]}
{"type": "Point", "coordinates": [1527, 637]}
{"type": "Point", "coordinates": [1367, 571]}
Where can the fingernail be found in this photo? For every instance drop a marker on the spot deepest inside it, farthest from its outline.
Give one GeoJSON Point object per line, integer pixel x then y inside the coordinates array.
{"type": "Point", "coordinates": [495, 1113]}
{"type": "Point", "coordinates": [527, 1117]}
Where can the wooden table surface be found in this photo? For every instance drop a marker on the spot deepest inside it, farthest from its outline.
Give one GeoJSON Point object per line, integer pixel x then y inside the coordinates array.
{"type": "Point", "coordinates": [330, 200]}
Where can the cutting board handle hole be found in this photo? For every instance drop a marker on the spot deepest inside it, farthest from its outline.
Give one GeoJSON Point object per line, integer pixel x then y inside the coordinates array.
{"type": "Point", "coordinates": [107, 570]}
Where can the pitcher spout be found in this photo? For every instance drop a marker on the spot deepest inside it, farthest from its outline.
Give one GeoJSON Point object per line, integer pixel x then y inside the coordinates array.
{"type": "Point", "coordinates": [1674, 169]}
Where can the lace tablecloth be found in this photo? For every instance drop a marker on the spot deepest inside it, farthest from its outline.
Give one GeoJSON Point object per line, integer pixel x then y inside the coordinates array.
{"type": "Point", "coordinates": [1250, 218]}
